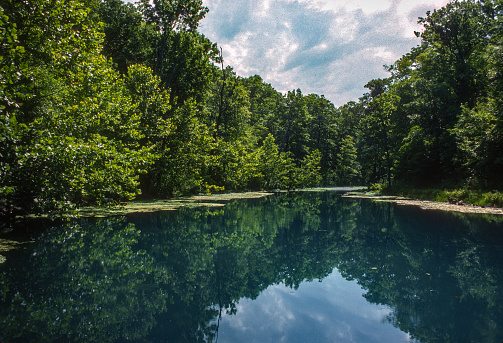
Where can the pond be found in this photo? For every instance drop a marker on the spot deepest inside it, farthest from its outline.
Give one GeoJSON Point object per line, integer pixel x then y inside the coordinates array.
{"type": "Point", "coordinates": [290, 267]}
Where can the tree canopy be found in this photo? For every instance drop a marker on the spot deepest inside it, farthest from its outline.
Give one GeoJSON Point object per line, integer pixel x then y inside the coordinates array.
{"type": "Point", "coordinates": [106, 101]}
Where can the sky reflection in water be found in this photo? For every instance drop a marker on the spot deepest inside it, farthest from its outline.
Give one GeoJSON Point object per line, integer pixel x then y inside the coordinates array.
{"type": "Point", "coordinates": [330, 310]}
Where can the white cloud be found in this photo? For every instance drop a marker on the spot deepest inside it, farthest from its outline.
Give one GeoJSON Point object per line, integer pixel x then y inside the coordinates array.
{"type": "Point", "coordinates": [320, 46]}
{"type": "Point", "coordinates": [367, 6]}
{"type": "Point", "coordinates": [262, 9]}
{"type": "Point", "coordinates": [316, 311]}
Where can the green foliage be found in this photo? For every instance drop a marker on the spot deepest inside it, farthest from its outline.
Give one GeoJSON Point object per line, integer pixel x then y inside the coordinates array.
{"type": "Point", "coordinates": [228, 106]}
{"type": "Point", "coordinates": [128, 38]}
{"type": "Point", "coordinates": [91, 122]}
{"type": "Point", "coordinates": [457, 32]}
{"type": "Point", "coordinates": [435, 121]}
{"type": "Point", "coordinates": [75, 138]}
{"type": "Point", "coordinates": [461, 196]}
{"type": "Point", "coordinates": [273, 168]}
{"type": "Point", "coordinates": [347, 171]}
{"type": "Point", "coordinates": [107, 100]}
{"type": "Point", "coordinates": [480, 134]}
{"type": "Point", "coordinates": [414, 159]}
{"type": "Point", "coordinates": [308, 174]}
{"type": "Point", "coordinates": [183, 158]}
{"type": "Point", "coordinates": [379, 188]}
{"type": "Point", "coordinates": [151, 104]}
{"type": "Point", "coordinates": [475, 197]}
{"type": "Point", "coordinates": [180, 56]}
{"type": "Point", "coordinates": [104, 101]}
{"type": "Point", "coordinates": [233, 164]}
{"type": "Point", "coordinates": [12, 67]}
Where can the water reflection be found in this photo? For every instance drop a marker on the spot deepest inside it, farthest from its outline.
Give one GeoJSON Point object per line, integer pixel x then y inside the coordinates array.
{"type": "Point", "coordinates": [329, 311]}
{"type": "Point", "coordinates": [191, 275]}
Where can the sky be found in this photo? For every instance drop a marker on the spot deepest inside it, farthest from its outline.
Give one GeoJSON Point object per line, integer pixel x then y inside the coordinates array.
{"type": "Point", "coordinates": [327, 47]}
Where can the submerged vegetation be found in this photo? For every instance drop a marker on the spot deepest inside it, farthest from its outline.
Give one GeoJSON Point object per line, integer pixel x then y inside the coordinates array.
{"type": "Point", "coordinates": [146, 206]}
{"type": "Point", "coordinates": [105, 101]}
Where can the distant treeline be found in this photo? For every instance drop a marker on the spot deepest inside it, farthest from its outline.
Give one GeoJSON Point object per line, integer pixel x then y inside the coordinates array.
{"type": "Point", "coordinates": [105, 101]}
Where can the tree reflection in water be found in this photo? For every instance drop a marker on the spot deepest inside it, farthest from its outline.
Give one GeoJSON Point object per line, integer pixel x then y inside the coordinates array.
{"type": "Point", "coordinates": [167, 277]}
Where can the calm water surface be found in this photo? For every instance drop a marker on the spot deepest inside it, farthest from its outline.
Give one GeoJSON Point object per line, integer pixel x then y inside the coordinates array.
{"type": "Point", "coordinates": [294, 267]}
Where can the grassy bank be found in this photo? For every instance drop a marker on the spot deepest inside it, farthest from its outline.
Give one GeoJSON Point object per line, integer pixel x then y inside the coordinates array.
{"type": "Point", "coordinates": [453, 196]}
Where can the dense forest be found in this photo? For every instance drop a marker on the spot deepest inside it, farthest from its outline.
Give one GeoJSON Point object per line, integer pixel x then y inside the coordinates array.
{"type": "Point", "coordinates": [106, 101]}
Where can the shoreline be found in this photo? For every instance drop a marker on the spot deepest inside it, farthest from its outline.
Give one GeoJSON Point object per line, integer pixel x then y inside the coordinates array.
{"type": "Point", "coordinates": [212, 200]}
{"type": "Point", "coordinates": [219, 200]}
{"type": "Point", "coordinates": [430, 205]}
{"type": "Point", "coordinates": [147, 206]}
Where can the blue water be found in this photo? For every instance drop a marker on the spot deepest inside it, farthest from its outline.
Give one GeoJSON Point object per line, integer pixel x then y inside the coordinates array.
{"type": "Point", "coordinates": [291, 267]}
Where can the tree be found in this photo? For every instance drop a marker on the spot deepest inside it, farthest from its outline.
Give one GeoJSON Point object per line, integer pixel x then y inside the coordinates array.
{"type": "Point", "coordinates": [75, 135]}
{"type": "Point", "coordinates": [295, 120]}
{"type": "Point", "coordinates": [379, 105]}
{"type": "Point", "coordinates": [457, 32]}
{"type": "Point", "coordinates": [229, 106]}
{"type": "Point", "coordinates": [417, 115]}
{"type": "Point", "coordinates": [274, 168]}
{"type": "Point", "coordinates": [308, 173]}
{"type": "Point", "coordinates": [324, 131]}
{"type": "Point", "coordinates": [183, 56]}
{"type": "Point", "coordinates": [480, 134]}
{"type": "Point", "coordinates": [479, 130]}
{"type": "Point", "coordinates": [128, 38]}
{"type": "Point", "coordinates": [347, 169]}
